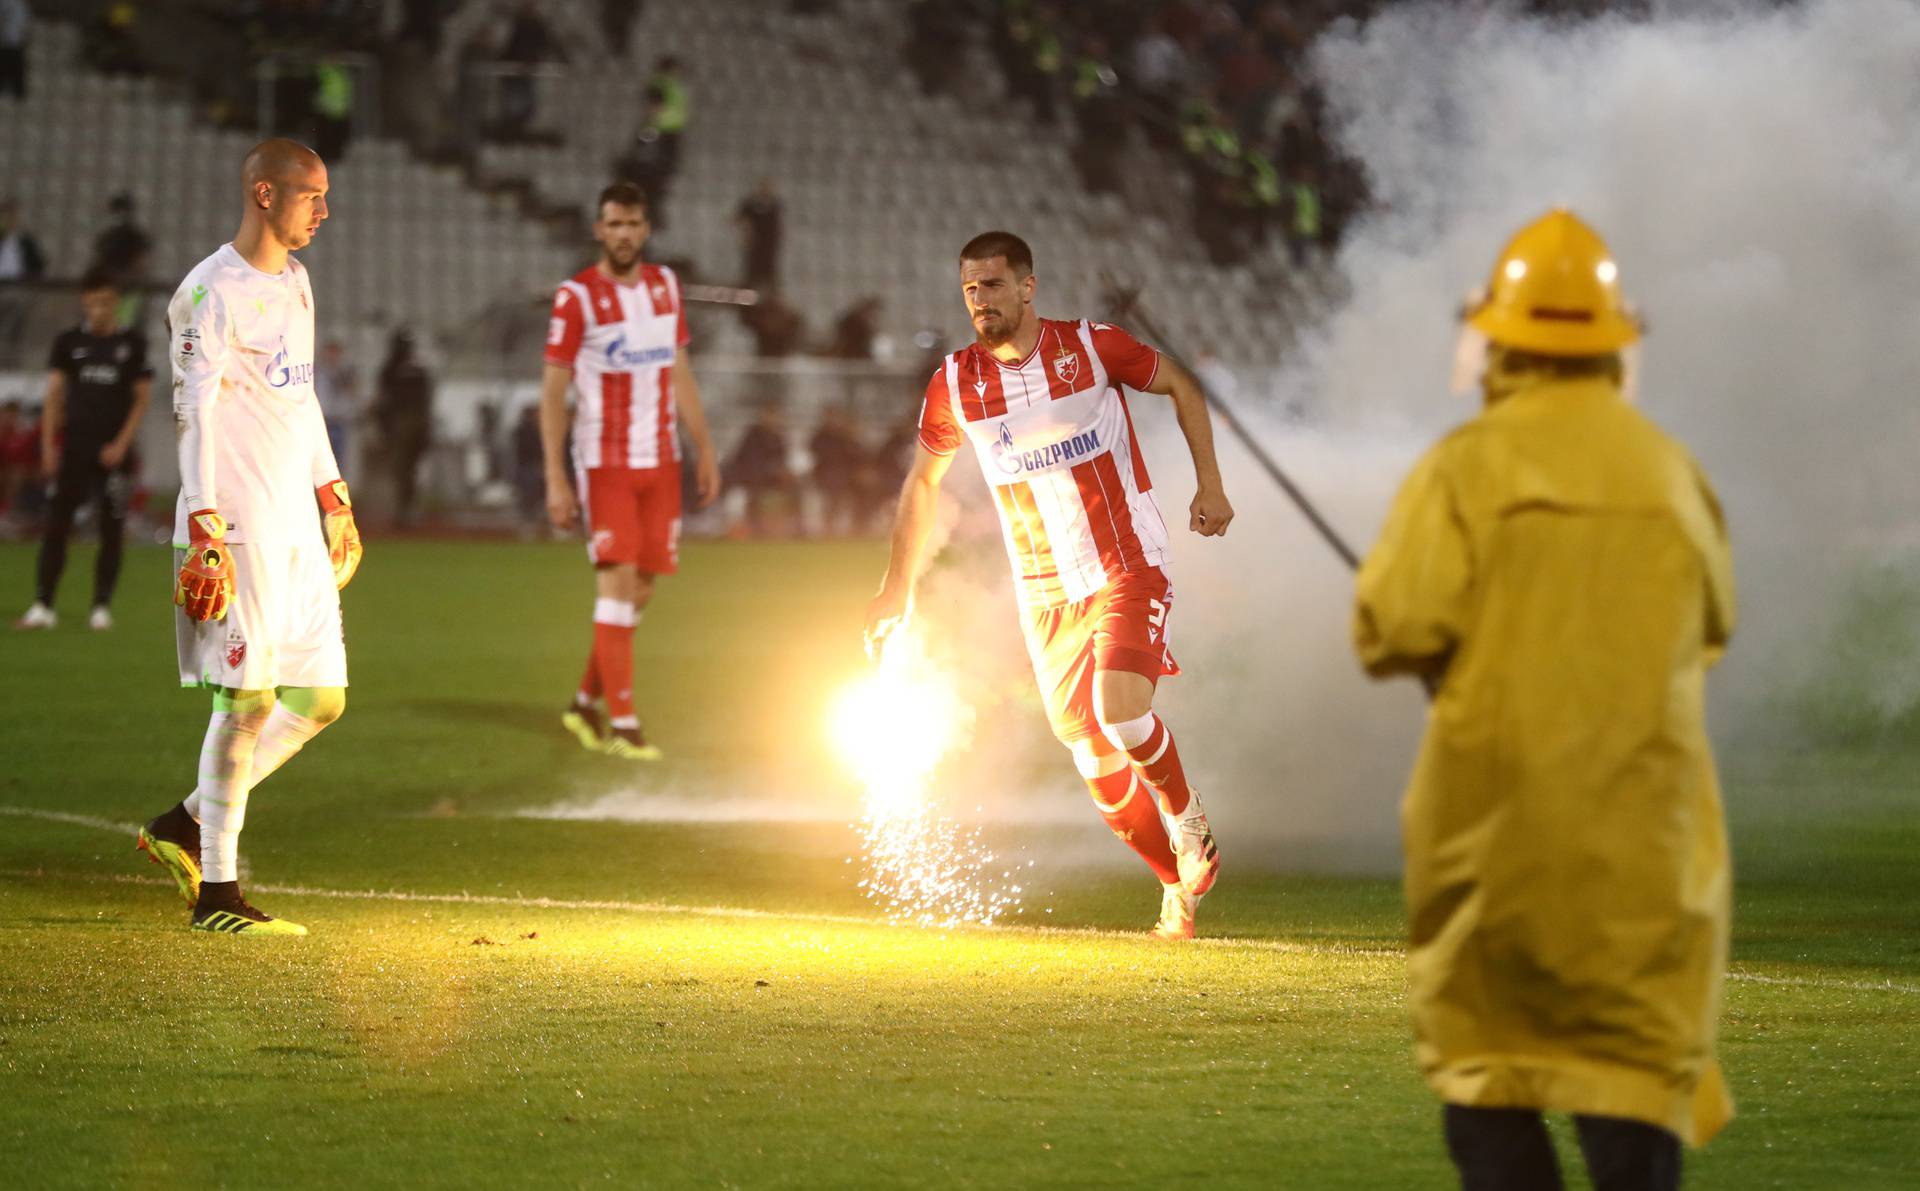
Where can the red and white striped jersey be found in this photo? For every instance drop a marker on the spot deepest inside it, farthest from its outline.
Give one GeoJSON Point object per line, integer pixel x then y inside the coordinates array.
{"type": "Point", "coordinates": [620, 341]}
{"type": "Point", "coordinates": [1055, 441]}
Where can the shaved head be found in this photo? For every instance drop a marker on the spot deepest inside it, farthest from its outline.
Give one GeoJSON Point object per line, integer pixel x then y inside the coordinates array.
{"type": "Point", "coordinates": [286, 188]}
{"type": "Point", "coordinates": [277, 160]}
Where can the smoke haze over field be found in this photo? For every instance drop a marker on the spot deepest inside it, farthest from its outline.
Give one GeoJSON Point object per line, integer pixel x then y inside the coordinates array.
{"type": "Point", "coordinates": [1756, 169]}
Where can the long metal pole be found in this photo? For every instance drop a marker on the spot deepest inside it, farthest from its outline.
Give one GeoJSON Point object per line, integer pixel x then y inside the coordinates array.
{"type": "Point", "coordinates": [1127, 301]}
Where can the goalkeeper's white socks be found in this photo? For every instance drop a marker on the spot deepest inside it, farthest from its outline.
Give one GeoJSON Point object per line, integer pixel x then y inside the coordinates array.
{"type": "Point", "coordinates": [284, 734]}
{"type": "Point", "coordinates": [220, 800]}
{"type": "Point", "coordinates": [242, 749]}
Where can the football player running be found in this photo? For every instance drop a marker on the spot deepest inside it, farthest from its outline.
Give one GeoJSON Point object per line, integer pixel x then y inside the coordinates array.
{"type": "Point", "coordinates": [264, 535]}
{"type": "Point", "coordinates": [1041, 401]}
{"type": "Point", "coordinates": [618, 340]}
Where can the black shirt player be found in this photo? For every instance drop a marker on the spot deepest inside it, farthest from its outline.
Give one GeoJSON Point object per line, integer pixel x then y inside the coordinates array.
{"type": "Point", "coordinates": [97, 388]}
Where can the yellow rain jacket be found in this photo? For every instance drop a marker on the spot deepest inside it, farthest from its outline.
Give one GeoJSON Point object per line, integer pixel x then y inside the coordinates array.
{"type": "Point", "coordinates": [1560, 568]}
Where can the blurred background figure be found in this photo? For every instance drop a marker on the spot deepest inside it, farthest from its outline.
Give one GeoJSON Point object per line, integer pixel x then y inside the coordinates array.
{"type": "Point", "coordinates": [336, 384]}
{"type": "Point", "coordinates": [98, 383]}
{"type": "Point", "coordinates": [529, 474]}
{"type": "Point", "coordinates": [123, 251]}
{"type": "Point", "coordinates": [777, 327]}
{"type": "Point", "coordinates": [529, 42]}
{"type": "Point", "coordinates": [403, 411]}
{"type": "Point", "coordinates": [16, 23]}
{"type": "Point", "coordinates": [759, 469]}
{"type": "Point", "coordinates": [842, 471]}
{"type": "Point", "coordinates": [857, 331]}
{"type": "Point", "coordinates": [759, 222]}
{"type": "Point", "coordinates": [16, 465]}
{"type": "Point", "coordinates": [21, 261]}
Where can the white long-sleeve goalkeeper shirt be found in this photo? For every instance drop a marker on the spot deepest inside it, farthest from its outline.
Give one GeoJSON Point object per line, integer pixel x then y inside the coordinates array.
{"type": "Point", "coordinates": [253, 443]}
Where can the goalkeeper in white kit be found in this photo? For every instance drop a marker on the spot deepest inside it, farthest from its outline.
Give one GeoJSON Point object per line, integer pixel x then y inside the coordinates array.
{"type": "Point", "coordinates": [264, 535]}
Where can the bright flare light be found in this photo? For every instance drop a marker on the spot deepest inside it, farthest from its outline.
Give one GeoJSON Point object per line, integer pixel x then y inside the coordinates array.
{"type": "Point", "coordinates": [894, 726]}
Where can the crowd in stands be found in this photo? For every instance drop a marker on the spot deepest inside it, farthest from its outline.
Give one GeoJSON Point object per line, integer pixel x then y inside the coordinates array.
{"type": "Point", "coordinates": [1221, 91]}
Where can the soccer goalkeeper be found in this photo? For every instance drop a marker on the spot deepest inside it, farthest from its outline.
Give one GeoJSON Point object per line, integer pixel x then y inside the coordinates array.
{"type": "Point", "coordinates": [265, 532]}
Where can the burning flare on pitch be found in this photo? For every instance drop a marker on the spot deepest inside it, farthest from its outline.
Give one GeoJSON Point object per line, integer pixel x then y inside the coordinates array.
{"type": "Point", "coordinates": [894, 726]}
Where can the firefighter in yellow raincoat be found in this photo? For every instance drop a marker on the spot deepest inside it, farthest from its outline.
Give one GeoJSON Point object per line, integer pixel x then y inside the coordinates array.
{"type": "Point", "coordinates": [1557, 570]}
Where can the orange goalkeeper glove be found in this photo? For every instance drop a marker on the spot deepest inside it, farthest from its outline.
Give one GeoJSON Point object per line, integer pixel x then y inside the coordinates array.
{"type": "Point", "coordinates": [205, 586]}
{"type": "Point", "coordinates": [343, 536]}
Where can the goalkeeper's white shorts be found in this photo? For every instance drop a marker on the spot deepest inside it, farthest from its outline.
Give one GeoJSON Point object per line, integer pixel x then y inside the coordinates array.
{"type": "Point", "coordinates": [283, 627]}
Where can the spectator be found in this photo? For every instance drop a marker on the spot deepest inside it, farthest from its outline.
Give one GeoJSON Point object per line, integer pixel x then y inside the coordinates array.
{"type": "Point", "coordinates": [759, 219]}
{"type": "Point", "coordinates": [934, 28]}
{"type": "Point", "coordinates": [122, 251]}
{"type": "Point", "coordinates": [758, 467]}
{"type": "Point", "coordinates": [16, 22]}
{"type": "Point", "coordinates": [20, 255]}
{"type": "Point", "coordinates": [886, 473]}
{"type": "Point", "coordinates": [20, 261]}
{"type": "Point", "coordinates": [1160, 65]}
{"type": "Point", "coordinates": [109, 43]}
{"type": "Point", "coordinates": [332, 110]}
{"type": "Point", "coordinates": [856, 330]}
{"type": "Point", "coordinates": [668, 110]}
{"type": "Point", "coordinates": [16, 455]}
{"type": "Point", "coordinates": [1100, 117]}
{"type": "Point", "coordinates": [529, 466]}
{"type": "Point", "coordinates": [841, 470]}
{"type": "Point", "coordinates": [336, 385]}
{"type": "Point", "coordinates": [777, 327]}
{"type": "Point", "coordinates": [1303, 220]}
{"type": "Point", "coordinates": [616, 24]}
{"type": "Point", "coordinates": [404, 413]}
{"type": "Point", "coordinates": [529, 42]}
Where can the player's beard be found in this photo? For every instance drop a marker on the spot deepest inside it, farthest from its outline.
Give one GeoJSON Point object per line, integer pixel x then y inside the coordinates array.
{"type": "Point", "coordinates": [623, 260]}
{"type": "Point", "coordinates": [1003, 329]}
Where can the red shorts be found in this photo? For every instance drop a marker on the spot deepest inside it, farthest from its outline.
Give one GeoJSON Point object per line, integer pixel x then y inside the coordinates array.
{"type": "Point", "coordinates": [1123, 626]}
{"type": "Point", "coordinates": [633, 516]}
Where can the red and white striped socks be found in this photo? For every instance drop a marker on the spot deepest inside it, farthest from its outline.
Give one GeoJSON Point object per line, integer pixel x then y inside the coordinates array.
{"type": "Point", "coordinates": [610, 665]}
{"type": "Point", "coordinates": [1149, 745]}
{"type": "Point", "coordinates": [1127, 806]}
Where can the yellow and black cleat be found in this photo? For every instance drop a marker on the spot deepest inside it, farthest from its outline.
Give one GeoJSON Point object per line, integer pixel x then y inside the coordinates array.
{"type": "Point", "coordinates": [181, 860]}
{"type": "Point", "coordinates": [584, 723]}
{"type": "Point", "coordinates": [629, 745]}
{"type": "Point", "coordinates": [239, 918]}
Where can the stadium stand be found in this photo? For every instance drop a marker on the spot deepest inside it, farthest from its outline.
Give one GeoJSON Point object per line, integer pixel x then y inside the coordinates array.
{"type": "Point", "coordinates": [413, 243]}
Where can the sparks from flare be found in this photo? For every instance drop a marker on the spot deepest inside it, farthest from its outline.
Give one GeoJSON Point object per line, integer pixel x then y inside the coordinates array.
{"type": "Point", "coordinates": [894, 726]}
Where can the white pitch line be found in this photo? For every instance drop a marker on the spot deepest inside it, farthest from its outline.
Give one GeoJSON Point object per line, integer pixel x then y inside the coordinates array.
{"type": "Point", "coordinates": [743, 913]}
{"type": "Point", "coordinates": [67, 817]}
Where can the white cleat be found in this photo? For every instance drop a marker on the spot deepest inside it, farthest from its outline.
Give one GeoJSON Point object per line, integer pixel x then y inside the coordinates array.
{"type": "Point", "coordinates": [101, 620]}
{"type": "Point", "coordinates": [1194, 850]}
{"type": "Point", "coordinates": [38, 617]}
{"type": "Point", "coordinates": [1176, 913]}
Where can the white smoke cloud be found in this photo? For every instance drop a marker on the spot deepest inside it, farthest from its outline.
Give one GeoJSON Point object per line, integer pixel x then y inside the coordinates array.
{"type": "Point", "coordinates": [1756, 169]}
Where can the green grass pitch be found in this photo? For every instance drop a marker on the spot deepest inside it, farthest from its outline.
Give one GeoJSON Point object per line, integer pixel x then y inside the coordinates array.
{"type": "Point", "coordinates": [563, 1003]}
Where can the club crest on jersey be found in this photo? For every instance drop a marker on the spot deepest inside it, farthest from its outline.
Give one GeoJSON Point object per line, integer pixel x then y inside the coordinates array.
{"type": "Point", "coordinates": [1066, 452]}
{"type": "Point", "coordinates": [236, 652]}
{"type": "Point", "coordinates": [1065, 365]}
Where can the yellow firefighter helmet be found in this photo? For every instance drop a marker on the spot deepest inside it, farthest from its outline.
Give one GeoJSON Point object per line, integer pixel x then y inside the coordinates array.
{"type": "Point", "coordinates": [1556, 291]}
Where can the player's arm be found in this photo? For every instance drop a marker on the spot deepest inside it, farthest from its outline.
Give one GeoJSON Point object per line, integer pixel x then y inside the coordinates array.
{"type": "Point", "coordinates": [198, 326]}
{"type": "Point", "coordinates": [912, 525]}
{"type": "Point", "coordinates": [337, 524]}
{"type": "Point", "coordinates": [686, 395]}
{"type": "Point", "coordinates": [53, 419]}
{"type": "Point", "coordinates": [1211, 512]}
{"type": "Point", "coordinates": [563, 508]}
{"type": "Point", "coordinates": [566, 331]}
{"type": "Point", "coordinates": [115, 452]}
